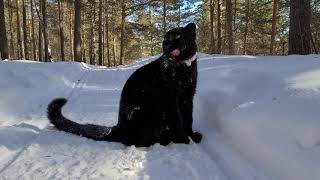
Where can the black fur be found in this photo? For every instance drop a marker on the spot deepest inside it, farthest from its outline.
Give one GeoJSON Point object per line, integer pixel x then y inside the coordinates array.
{"type": "Point", "coordinates": [156, 102]}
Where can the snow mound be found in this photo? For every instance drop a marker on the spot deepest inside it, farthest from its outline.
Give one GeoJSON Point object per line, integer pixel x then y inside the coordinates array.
{"type": "Point", "coordinates": [259, 117]}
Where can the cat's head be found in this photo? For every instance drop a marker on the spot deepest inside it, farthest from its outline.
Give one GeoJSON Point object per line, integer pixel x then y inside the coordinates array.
{"type": "Point", "coordinates": [180, 43]}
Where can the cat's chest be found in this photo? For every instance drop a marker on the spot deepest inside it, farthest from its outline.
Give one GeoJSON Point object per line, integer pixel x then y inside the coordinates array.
{"type": "Point", "coordinates": [180, 78]}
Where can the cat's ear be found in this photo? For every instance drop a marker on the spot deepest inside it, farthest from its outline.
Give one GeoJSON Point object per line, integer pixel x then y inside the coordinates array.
{"type": "Point", "coordinates": [191, 28]}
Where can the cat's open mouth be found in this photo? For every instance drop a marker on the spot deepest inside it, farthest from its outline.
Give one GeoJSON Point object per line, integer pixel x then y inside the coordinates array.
{"type": "Point", "coordinates": [175, 53]}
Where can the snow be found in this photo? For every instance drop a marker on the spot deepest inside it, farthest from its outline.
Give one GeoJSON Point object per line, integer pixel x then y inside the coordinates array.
{"type": "Point", "coordinates": [258, 115]}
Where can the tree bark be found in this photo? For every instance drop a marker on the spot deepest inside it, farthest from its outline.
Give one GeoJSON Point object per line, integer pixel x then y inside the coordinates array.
{"type": "Point", "coordinates": [229, 30]}
{"type": "Point", "coordinates": [12, 49]}
{"type": "Point", "coordinates": [274, 25]}
{"type": "Point", "coordinates": [247, 18]}
{"type": "Point", "coordinates": [314, 44]}
{"type": "Point", "coordinates": [164, 17]}
{"type": "Point", "coordinates": [71, 35]}
{"type": "Point", "coordinates": [77, 31]}
{"type": "Point", "coordinates": [212, 39]}
{"type": "Point", "coordinates": [3, 34]}
{"type": "Point", "coordinates": [235, 16]}
{"type": "Point", "coordinates": [83, 47]}
{"type": "Point", "coordinates": [219, 27]}
{"type": "Point", "coordinates": [60, 9]}
{"type": "Point", "coordinates": [151, 31]}
{"type": "Point", "coordinates": [300, 30]}
{"type": "Point", "coordinates": [40, 46]}
{"type": "Point", "coordinates": [92, 36]}
{"type": "Point", "coordinates": [45, 31]}
{"type": "Point", "coordinates": [25, 32]}
{"type": "Point", "coordinates": [123, 16]}
{"type": "Point", "coordinates": [100, 51]}
{"type": "Point", "coordinates": [106, 14]}
{"type": "Point", "coordinates": [19, 42]}
{"type": "Point", "coordinates": [114, 49]}
{"type": "Point", "coordinates": [32, 31]}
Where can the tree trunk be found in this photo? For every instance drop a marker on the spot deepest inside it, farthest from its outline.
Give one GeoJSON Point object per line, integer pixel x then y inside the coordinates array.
{"type": "Point", "coordinates": [179, 14]}
{"type": "Point", "coordinates": [283, 48]}
{"type": "Point", "coordinates": [32, 31]}
{"type": "Point", "coordinates": [100, 35]}
{"type": "Point", "coordinates": [19, 42]}
{"type": "Point", "coordinates": [274, 25]}
{"type": "Point", "coordinates": [314, 44]}
{"type": "Point", "coordinates": [25, 32]}
{"type": "Point", "coordinates": [83, 47]}
{"type": "Point", "coordinates": [45, 31]}
{"type": "Point", "coordinates": [60, 9]}
{"type": "Point", "coordinates": [71, 35]}
{"type": "Point", "coordinates": [219, 27]}
{"type": "Point", "coordinates": [92, 36]}
{"type": "Point", "coordinates": [40, 48]}
{"type": "Point", "coordinates": [123, 16]}
{"type": "Point", "coordinates": [12, 49]}
{"type": "Point", "coordinates": [247, 18]}
{"type": "Point", "coordinates": [77, 31]}
{"type": "Point", "coordinates": [107, 32]}
{"type": "Point", "coordinates": [235, 17]}
{"type": "Point", "coordinates": [151, 31]}
{"type": "Point", "coordinates": [299, 30]}
{"type": "Point", "coordinates": [164, 17]}
{"type": "Point", "coordinates": [114, 49]}
{"type": "Point", "coordinates": [212, 40]}
{"type": "Point", "coordinates": [113, 38]}
{"type": "Point", "coordinates": [3, 35]}
{"type": "Point", "coordinates": [229, 30]}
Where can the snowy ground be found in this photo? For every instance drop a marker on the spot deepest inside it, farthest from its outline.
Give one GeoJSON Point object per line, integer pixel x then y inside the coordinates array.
{"type": "Point", "coordinates": [259, 117]}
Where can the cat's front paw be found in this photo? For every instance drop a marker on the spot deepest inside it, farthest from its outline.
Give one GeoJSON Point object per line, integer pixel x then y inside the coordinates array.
{"type": "Point", "coordinates": [196, 137]}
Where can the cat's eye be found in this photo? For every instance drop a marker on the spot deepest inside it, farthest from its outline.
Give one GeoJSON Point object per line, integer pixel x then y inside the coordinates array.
{"type": "Point", "coordinates": [177, 37]}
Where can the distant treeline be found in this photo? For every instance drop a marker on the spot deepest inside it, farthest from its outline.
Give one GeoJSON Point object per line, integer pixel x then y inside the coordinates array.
{"type": "Point", "coordinates": [115, 32]}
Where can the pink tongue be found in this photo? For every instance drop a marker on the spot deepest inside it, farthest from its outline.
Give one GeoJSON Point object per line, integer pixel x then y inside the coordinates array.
{"type": "Point", "coordinates": [175, 52]}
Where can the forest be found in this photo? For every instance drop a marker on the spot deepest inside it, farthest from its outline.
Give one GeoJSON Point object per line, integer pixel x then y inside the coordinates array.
{"type": "Point", "coordinates": [112, 33]}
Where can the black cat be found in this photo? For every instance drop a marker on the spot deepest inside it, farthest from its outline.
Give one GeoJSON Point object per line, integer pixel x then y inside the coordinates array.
{"type": "Point", "coordinates": [156, 102]}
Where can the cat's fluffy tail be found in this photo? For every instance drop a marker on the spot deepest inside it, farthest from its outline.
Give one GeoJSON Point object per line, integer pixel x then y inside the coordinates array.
{"type": "Point", "coordinates": [91, 131]}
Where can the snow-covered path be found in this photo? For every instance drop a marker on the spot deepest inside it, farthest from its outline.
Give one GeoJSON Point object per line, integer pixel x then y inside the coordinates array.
{"type": "Point", "coordinates": [229, 89]}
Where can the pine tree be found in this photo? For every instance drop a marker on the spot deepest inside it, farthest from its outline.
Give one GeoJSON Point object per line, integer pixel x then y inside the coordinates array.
{"type": "Point", "coordinates": [219, 26]}
{"type": "Point", "coordinates": [100, 34]}
{"type": "Point", "coordinates": [300, 32]}
{"type": "Point", "coordinates": [60, 9]}
{"type": "Point", "coordinates": [19, 42]}
{"type": "Point", "coordinates": [92, 34]}
{"type": "Point", "coordinates": [247, 18]}
{"type": "Point", "coordinates": [3, 34]}
{"type": "Point", "coordinates": [77, 31]}
{"type": "Point", "coordinates": [123, 16]}
{"type": "Point", "coordinates": [229, 29]}
{"type": "Point", "coordinates": [45, 30]}
{"type": "Point", "coordinates": [25, 32]}
{"type": "Point", "coordinates": [33, 30]}
{"type": "Point", "coordinates": [212, 39]}
{"type": "Point", "coordinates": [11, 26]}
{"type": "Point", "coordinates": [107, 34]}
{"type": "Point", "coordinates": [274, 23]}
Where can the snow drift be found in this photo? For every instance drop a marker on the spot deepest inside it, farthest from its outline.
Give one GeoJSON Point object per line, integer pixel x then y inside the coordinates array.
{"type": "Point", "coordinates": [259, 117]}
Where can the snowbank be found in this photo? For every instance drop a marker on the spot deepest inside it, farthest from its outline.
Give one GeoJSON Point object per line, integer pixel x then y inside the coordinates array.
{"type": "Point", "coordinates": [259, 117]}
